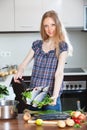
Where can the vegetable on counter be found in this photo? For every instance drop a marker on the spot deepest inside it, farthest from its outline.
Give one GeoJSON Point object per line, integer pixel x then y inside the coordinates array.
{"type": "Point", "coordinates": [61, 123]}
{"type": "Point", "coordinates": [69, 122]}
{"type": "Point", "coordinates": [3, 91]}
{"type": "Point", "coordinates": [8, 70]}
{"type": "Point", "coordinates": [78, 117]}
{"type": "Point", "coordinates": [77, 126]}
{"type": "Point", "coordinates": [26, 116]}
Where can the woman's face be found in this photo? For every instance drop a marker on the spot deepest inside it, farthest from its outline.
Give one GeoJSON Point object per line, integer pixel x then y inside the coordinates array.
{"type": "Point", "coordinates": [49, 27]}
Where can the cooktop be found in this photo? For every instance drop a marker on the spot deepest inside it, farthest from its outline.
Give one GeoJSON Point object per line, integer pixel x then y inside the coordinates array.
{"type": "Point", "coordinates": [73, 70]}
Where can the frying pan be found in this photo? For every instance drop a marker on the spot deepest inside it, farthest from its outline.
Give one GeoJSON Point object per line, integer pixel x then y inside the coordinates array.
{"type": "Point", "coordinates": [24, 85]}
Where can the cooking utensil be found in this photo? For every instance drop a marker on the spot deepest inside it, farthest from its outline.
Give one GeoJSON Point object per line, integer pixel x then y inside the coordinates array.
{"type": "Point", "coordinates": [6, 67]}
{"type": "Point", "coordinates": [54, 116]}
{"type": "Point", "coordinates": [34, 92]}
{"type": "Point", "coordinates": [8, 109]}
{"type": "Point", "coordinates": [37, 95]}
{"type": "Point", "coordinates": [44, 122]}
{"type": "Point", "coordinates": [24, 85]}
{"type": "Point", "coordinates": [78, 105]}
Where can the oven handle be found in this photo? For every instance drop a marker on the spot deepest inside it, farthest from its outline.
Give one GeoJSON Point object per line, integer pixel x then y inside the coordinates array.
{"type": "Point", "coordinates": [74, 91]}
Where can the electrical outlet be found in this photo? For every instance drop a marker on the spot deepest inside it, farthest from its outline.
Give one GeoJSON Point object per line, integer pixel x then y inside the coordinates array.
{"type": "Point", "coordinates": [5, 53]}
{"type": "Point", "coordinates": [1, 53]}
{"type": "Point", "coordinates": [8, 53]}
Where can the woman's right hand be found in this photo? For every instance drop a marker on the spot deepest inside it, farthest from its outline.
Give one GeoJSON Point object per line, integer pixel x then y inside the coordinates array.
{"type": "Point", "coordinates": [18, 75]}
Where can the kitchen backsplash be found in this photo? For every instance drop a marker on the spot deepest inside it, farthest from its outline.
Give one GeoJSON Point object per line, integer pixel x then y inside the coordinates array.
{"type": "Point", "coordinates": [15, 46]}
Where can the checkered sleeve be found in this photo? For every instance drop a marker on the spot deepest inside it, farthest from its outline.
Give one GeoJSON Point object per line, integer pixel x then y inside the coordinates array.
{"type": "Point", "coordinates": [35, 45]}
{"type": "Point", "coordinates": [63, 47]}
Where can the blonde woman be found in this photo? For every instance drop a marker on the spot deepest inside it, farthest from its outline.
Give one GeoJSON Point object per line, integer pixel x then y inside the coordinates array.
{"type": "Point", "coordinates": [49, 55]}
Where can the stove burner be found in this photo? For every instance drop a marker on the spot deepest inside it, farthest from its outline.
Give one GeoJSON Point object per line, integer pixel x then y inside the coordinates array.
{"type": "Point", "coordinates": [73, 70]}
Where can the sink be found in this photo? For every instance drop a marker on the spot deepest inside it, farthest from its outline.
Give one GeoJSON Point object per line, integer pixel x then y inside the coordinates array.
{"type": "Point", "coordinates": [73, 70]}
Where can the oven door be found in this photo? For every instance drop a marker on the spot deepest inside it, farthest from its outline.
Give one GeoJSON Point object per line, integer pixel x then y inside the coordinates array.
{"type": "Point", "coordinates": [69, 99]}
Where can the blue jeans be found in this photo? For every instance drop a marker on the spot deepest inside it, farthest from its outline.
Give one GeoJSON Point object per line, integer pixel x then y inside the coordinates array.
{"type": "Point", "coordinates": [57, 107]}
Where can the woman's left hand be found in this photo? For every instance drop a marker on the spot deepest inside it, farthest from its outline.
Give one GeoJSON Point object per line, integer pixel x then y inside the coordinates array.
{"type": "Point", "coordinates": [54, 101]}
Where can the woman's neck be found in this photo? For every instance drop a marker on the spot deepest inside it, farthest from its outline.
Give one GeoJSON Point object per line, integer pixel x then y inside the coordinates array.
{"type": "Point", "coordinates": [50, 41]}
{"type": "Point", "coordinates": [48, 45]}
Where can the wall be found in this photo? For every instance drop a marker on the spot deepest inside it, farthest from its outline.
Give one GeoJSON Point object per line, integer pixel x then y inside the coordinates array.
{"type": "Point", "coordinates": [15, 46]}
{"type": "Point", "coordinates": [79, 41]}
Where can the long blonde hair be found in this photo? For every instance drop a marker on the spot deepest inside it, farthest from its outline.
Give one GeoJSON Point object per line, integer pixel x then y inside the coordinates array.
{"type": "Point", "coordinates": [61, 34]}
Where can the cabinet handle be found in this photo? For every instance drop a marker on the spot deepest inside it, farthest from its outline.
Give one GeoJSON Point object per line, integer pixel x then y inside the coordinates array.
{"type": "Point", "coordinates": [26, 26]}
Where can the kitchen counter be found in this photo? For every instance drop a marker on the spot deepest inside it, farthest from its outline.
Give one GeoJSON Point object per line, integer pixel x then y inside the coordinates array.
{"type": "Point", "coordinates": [28, 72]}
{"type": "Point", "coordinates": [76, 72]}
{"type": "Point", "coordinates": [20, 124]}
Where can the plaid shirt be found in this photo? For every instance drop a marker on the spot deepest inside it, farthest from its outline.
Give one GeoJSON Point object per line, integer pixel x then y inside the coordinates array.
{"type": "Point", "coordinates": [45, 65]}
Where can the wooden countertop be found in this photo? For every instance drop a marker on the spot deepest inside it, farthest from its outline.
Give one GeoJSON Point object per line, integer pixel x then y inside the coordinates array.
{"type": "Point", "coordinates": [20, 124]}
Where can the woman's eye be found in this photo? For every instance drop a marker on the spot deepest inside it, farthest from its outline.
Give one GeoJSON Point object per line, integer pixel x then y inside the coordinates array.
{"type": "Point", "coordinates": [45, 26]}
{"type": "Point", "coordinates": [53, 25]}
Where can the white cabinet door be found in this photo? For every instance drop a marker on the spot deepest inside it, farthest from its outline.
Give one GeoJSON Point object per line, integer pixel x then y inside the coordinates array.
{"type": "Point", "coordinates": [70, 11]}
{"type": "Point", "coordinates": [51, 5]}
{"type": "Point", "coordinates": [27, 15]}
{"type": "Point", "coordinates": [6, 15]}
{"type": "Point", "coordinates": [85, 2]}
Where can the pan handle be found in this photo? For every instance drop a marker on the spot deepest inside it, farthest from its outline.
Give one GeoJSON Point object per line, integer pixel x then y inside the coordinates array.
{"type": "Point", "coordinates": [23, 83]}
{"type": "Point", "coordinates": [25, 86]}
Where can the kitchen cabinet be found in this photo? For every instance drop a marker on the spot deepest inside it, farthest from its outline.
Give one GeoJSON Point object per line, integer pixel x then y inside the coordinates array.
{"type": "Point", "coordinates": [85, 2]}
{"type": "Point", "coordinates": [51, 5]}
{"type": "Point", "coordinates": [27, 15]}
{"type": "Point", "coordinates": [6, 15]}
{"type": "Point", "coordinates": [70, 11]}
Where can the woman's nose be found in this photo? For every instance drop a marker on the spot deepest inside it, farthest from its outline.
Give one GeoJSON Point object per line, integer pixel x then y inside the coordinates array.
{"type": "Point", "coordinates": [49, 28]}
